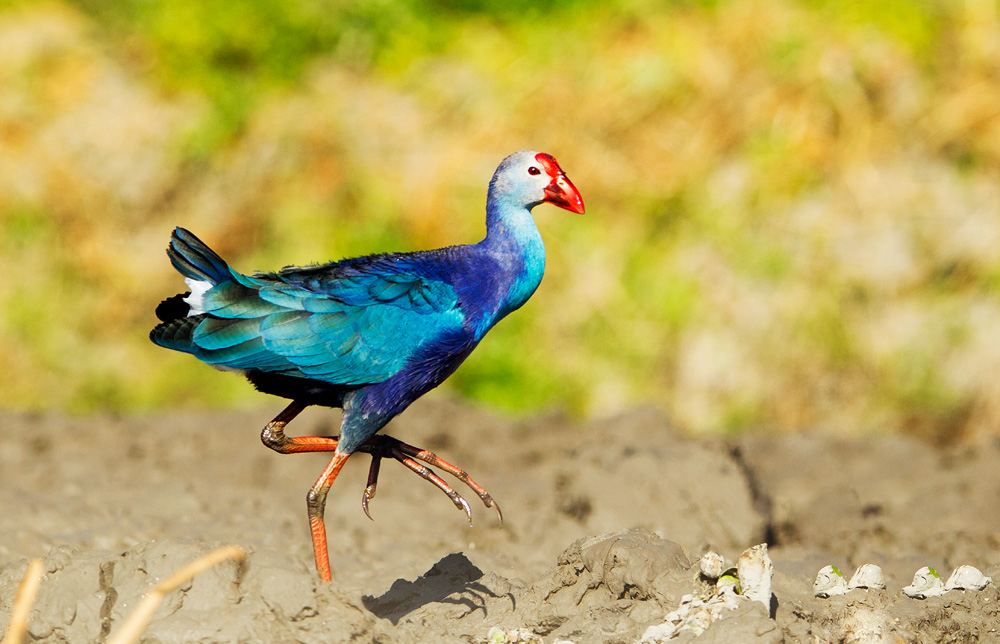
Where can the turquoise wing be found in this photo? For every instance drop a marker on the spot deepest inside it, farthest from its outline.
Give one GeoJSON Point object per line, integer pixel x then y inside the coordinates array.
{"type": "Point", "coordinates": [349, 326]}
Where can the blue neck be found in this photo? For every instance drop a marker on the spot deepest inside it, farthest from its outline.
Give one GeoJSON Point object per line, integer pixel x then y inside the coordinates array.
{"type": "Point", "coordinates": [513, 239]}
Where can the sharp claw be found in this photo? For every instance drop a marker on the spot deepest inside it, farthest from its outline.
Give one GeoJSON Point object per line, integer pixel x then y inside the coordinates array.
{"type": "Point", "coordinates": [365, 498]}
{"type": "Point", "coordinates": [465, 506]}
{"type": "Point", "coordinates": [457, 499]}
{"type": "Point", "coordinates": [490, 503]}
{"type": "Point", "coordinates": [496, 506]}
{"type": "Point", "coordinates": [372, 482]}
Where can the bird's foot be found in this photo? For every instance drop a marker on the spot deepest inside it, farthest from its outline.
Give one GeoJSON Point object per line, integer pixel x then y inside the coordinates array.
{"type": "Point", "coordinates": [381, 446]}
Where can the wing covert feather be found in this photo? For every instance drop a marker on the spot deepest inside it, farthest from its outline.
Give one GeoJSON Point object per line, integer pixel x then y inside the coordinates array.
{"type": "Point", "coordinates": [342, 327]}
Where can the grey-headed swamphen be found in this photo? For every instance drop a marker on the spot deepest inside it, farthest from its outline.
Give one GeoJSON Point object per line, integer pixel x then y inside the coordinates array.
{"type": "Point", "coordinates": [369, 334]}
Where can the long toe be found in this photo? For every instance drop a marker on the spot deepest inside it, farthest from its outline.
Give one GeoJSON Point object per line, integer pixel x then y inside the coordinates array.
{"type": "Point", "coordinates": [383, 446]}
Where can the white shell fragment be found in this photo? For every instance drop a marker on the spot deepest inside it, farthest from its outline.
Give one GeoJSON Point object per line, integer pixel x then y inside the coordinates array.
{"type": "Point", "coordinates": [712, 564]}
{"type": "Point", "coordinates": [926, 583]}
{"type": "Point", "coordinates": [499, 635]}
{"type": "Point", "coordinates": [830, 581]}
{"type": "Point", "coordinates": [755, 569]}
{"type": "Point", "coordinates": [867, 576]}
{"type": "Point", "coordinates": [693, 615]}
{"type": "Point", "coordinates": [749, 580]}
{"type": "Point", "coordinates": [967, 578]}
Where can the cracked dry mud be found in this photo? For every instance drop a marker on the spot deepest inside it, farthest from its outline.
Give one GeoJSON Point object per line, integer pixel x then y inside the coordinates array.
{"type": "Point", "coordinates": [603, 523]}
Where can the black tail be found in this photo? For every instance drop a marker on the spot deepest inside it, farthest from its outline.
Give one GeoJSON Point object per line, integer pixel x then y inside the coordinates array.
{"type": "Point", "coordinates": [173, 308]}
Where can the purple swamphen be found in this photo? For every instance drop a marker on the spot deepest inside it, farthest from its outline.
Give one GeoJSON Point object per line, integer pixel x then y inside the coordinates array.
{"type": "Point", "coordinates": [368, 334]}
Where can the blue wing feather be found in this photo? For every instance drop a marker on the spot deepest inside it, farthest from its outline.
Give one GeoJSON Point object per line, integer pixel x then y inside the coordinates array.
{"type": "Point", "coordinates": [286, 325]}
{"type": "Point", "coordinates": [285, 298]}
{"type": "Point", "coordinates": [233, 300]}
{"type": "Point", "coordinates": [219, 333]}
{"type": "Point", "coordinates": [352, 328]}
{"type": "Point", "coordinates": [353, 322]}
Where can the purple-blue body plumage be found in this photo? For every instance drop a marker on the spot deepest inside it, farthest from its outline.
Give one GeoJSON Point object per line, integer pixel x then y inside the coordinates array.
{"type": "Point", "coordinates": [370, 334]}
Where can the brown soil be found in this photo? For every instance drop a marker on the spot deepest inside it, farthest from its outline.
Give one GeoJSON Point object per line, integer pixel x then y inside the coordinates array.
{"type": "Point", "coordinates": [601, 524]}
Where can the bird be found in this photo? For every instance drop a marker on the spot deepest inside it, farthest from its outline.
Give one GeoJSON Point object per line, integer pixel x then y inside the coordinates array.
{"type": "Point", "coordinates": [369, 334]}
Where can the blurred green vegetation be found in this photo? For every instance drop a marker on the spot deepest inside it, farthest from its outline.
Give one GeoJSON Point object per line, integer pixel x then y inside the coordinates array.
{"type": "Point", "coordinates": [792, 204]}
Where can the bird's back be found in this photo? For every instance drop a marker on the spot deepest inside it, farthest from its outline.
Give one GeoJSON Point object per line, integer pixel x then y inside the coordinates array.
{"type": "Point", "coordinates": [354, 322]}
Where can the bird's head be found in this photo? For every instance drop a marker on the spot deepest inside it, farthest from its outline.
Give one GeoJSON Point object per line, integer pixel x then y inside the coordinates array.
{"type": "Point", "coordinates": [530, 178]}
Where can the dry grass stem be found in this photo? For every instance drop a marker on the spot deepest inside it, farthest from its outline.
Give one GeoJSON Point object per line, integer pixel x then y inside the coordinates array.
{"type": "Point", "coordinates": [26, 593]}
{"type": "Point", "coordinates": [137, 622]}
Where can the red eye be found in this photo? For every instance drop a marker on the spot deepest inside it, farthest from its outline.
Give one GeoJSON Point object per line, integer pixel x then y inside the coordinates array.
{"type": "Point", "coordinates": [533, 170]}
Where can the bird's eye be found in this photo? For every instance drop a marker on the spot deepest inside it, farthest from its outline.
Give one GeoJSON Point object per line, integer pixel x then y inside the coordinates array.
{"type": "Point", "coordinates": [533, 170]}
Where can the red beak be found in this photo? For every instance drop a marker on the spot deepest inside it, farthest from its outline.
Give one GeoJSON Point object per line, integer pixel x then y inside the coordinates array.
{"type": "Point", "coordinates": [561, 191]}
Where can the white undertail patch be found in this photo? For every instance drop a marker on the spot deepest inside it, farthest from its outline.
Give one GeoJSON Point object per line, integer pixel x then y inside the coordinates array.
{"type": "Point", "coordinates": [198, 289]}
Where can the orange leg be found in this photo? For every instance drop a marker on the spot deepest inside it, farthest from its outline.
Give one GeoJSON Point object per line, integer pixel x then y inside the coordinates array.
{"type": "Point", "coordinates": [378, 446]}
{"type": "Point", "coordinates": [274, 437]}
{"type": "Point", "coordinates": [316, 504]}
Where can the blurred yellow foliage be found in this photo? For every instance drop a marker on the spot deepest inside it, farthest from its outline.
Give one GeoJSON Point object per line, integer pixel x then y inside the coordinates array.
{"type": "Point", "coordinates": [793, 208]}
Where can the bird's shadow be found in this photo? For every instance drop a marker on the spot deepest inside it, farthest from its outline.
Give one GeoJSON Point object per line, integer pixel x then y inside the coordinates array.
{"type": "Point", "coordinates": [452, 580]}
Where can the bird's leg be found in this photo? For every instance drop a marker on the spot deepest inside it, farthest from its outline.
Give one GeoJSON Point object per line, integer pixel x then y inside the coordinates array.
{"type": "Point", "coordinates": [381, 446]}
{"type": "Point", "coordinates": [274, 437]}
{"type": "Point", "coordinates": [273, 434]}
{"type": "Point", "coordinates": [378, 446]}
{"type": "Point", "coordinates": [316, 505]}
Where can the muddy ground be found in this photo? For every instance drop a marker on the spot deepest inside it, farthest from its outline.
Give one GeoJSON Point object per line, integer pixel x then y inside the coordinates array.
{"type": "Point", "coordinates": [593, 515]}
